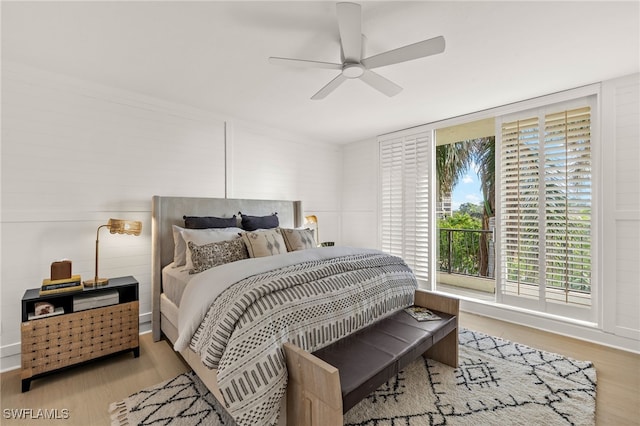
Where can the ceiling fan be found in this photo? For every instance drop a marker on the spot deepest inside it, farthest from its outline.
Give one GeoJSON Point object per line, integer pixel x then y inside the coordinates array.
{"type": "Point", "coordinates": [351, 52]}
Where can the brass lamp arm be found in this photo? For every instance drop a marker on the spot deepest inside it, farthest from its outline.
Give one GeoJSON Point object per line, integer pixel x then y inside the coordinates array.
{"type": "Point", "coordinates": [97, 241]}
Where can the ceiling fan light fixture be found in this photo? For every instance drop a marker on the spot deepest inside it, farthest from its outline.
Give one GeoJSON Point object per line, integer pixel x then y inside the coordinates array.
{"type": "Point", "coordinates": [352, 70]}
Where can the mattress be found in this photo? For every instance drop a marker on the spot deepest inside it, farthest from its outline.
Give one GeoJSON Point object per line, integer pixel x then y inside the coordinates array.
{"type": "Point", "coordinates": [174, 281]}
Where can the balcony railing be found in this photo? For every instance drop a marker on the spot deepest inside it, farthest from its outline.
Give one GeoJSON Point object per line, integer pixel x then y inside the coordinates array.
{"type": "Point", "coordinates": [466, 252]}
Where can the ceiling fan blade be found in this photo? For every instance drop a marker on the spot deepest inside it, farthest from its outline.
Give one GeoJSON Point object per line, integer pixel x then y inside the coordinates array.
{"type": "Point", "coordinates": [303, 63]}
{"type": "Point", "coordinates": [380, 83]}
{"type": "Point", "coordinates": [350, 26]}
{"type": "Point", "coordinates": [417, 50]}
{"type": "Point", "coordinates": [330, 87]}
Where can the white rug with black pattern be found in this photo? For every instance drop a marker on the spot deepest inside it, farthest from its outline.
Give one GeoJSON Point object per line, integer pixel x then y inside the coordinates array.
{"type": "Point", "coordinates": [497, 383]}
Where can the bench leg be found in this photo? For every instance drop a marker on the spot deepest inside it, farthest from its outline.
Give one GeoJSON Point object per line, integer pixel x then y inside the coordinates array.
{"type": "Point", "coordinates": [445, 350]}
{"type": "Point", "coordinates": [314, 397]}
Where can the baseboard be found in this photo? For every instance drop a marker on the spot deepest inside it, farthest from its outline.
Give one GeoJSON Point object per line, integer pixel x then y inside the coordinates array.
{"type": "Point", "coordinates": [574, 329]}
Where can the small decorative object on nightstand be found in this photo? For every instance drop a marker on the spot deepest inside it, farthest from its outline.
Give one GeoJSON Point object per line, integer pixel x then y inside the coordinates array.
{"type": "Point", "coordinates": [116, 226]}
{"type": "Point", "coordinates": [78, 329]}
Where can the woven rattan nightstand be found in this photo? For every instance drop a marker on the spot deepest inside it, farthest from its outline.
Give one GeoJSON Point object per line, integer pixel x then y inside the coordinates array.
{"type": "Point", "coordinates": [56, 342]}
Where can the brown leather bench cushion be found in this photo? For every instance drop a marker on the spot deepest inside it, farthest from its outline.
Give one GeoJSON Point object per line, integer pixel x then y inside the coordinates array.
{"type": "Point", "coordinates": [373, 355]}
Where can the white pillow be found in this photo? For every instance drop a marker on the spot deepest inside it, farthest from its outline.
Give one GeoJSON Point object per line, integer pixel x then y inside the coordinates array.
{"type": "Point", "coordinates": [182, 236]}
{"type": "Point", "coordinates": [267, 242]}
{"type": "Point", "coordinates": [179, 247]}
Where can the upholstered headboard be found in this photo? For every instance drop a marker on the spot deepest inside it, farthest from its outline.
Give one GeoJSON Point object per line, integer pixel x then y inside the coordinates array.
{"type": "Point", "coordinates": [168, 211]}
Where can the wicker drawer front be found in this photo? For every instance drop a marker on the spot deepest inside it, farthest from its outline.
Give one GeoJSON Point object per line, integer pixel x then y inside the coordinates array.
{"type": "Point", "coordinates": [63, 340]}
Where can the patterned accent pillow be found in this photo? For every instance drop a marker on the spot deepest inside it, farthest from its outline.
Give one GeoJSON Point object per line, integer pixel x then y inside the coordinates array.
{"type": "Point", "coordinates": [215, 254]}
{"type": "Point", "coordinates": [201, 237]}
{"type": "Point", "coordinates": [265, 242]}
{"type": "Point", "coordinates": [298, 239]}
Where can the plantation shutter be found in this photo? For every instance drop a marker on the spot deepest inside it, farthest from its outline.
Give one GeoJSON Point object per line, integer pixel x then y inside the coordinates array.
{"type": "Point", "coordinates": [520, 205]}
{"type": "Point", "coordinates": [545, 208]}
{"type": "Point", "coordinates": [567, 150]}
{"type": "Point", "coordinates": [404, 209]}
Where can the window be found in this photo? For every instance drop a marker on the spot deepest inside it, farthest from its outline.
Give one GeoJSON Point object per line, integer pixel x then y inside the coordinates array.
{"type": "Point", "coordinates": [545, 217]}
{"type": "Point", "coordinates": [404, 211]}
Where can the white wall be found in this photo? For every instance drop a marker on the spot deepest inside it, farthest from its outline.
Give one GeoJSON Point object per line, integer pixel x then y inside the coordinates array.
{"type": "Point", "coordinates": [360, 194]}
{"type": "Point", "coordinates": [274, 165]}
{"type": "Point", "coordinates": [75, 154]}
{"type": "Point", "coordinates": [621, 203]}
{"type": "Point", "coordinates": [618, 272]}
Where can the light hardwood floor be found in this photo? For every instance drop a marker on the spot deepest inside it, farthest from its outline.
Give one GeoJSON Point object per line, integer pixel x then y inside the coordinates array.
{"type": "Point", "coordinates": [88, 390]}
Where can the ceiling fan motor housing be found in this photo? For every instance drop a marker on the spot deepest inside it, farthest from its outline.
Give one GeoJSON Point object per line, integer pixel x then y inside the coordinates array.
{"type": "Point", "coordinates": [352, 70]}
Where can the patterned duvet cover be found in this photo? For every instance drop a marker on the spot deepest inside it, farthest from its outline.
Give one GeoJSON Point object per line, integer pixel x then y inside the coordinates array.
{"type": "Point", "coordinates": [311, 298]}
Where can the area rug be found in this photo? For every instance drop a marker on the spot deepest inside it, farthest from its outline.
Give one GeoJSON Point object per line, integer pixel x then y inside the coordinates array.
{"type": "Point", "coordinates": [497, 383]}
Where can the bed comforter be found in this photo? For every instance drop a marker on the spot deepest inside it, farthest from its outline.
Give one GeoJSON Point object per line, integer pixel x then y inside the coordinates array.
{"type": "Point", "coordinates": [237, 316]}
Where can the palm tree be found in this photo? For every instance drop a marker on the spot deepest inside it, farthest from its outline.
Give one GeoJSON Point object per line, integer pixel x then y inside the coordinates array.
{"type": "Point", "coordinates": [485, 155]}
{"type": "Point", "coordinates": [453, 162]}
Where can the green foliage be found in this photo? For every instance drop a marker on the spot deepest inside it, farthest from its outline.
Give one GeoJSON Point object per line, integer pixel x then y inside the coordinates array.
{"type": "Point", "coordinates": [473, 210]}
{"type": "Point", "coordinates": [461, 220]}
{"type": "Point", "coordinates": [458, 250]}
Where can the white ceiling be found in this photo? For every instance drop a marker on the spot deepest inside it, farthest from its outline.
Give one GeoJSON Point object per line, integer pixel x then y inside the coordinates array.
{"type": "Point", "coordinates": [213, 55]}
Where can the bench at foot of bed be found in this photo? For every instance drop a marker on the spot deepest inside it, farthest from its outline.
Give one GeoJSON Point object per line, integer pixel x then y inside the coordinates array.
{"type": "Point", "coordinates": [327, 383]}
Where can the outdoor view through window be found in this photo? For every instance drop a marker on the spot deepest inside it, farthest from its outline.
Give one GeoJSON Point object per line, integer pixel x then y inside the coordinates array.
{"type": "Point", "coordinates": [465, 169]}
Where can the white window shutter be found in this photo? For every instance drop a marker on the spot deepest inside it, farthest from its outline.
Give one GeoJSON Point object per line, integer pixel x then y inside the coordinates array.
{"type": "Point", "coordinates": [567, 152]}
{"type": "Point", "coordinates": [405, 204]}
{"type": "Point", "coordinates": [545, 207]}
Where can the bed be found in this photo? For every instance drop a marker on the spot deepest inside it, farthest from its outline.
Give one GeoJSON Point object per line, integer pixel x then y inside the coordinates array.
{"type": "Point", "coordinates": [309, 297]}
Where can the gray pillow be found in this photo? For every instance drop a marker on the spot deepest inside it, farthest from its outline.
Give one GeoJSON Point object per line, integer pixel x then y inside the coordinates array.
{"type": "Point", "coordinates": [251, 223]}
{"type": "Point", "coordinates": [204, 222]}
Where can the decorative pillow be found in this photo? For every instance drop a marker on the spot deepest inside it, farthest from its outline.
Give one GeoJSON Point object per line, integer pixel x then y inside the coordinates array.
{"type": "Point", "coordinates": [204, 222]}
{"type": "Point", "coordinates": [215, 254]}
{"type": "Point", "coordinates": [298, 239]}
{"type": "Point", "coordinates": [265, 242]}
{"type": "Point", "coordinates": [201, 237]}
{"type": "Point", "coordinates": [251, 223]}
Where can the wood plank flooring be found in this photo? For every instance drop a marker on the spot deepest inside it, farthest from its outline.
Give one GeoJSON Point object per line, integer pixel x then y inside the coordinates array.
{"type": "Point", "coordinates": [87, 391]}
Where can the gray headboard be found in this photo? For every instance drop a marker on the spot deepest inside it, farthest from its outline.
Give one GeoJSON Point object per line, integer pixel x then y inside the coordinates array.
{"type": "Point", "coordinates": [168, 211]}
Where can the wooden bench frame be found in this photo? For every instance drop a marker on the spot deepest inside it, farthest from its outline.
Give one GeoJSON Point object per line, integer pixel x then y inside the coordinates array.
{"type": "Point", "coordinates": [314, 396]}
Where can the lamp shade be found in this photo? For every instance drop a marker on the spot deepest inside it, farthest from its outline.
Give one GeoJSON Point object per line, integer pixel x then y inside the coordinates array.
{"type": "Point", "coordinates": [129, 227]}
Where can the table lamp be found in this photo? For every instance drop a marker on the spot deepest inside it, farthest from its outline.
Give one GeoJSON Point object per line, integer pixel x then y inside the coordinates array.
{"type": "Point", "coordinates": [116, 226]}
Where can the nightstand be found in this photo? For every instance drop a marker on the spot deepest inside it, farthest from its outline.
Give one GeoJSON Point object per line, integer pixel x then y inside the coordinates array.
{"type": "Point", "coordinates": [56, 342]}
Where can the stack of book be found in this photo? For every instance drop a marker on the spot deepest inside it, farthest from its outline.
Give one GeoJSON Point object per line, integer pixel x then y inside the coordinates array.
{"type": "Point", "coordinates": [74, 283]}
